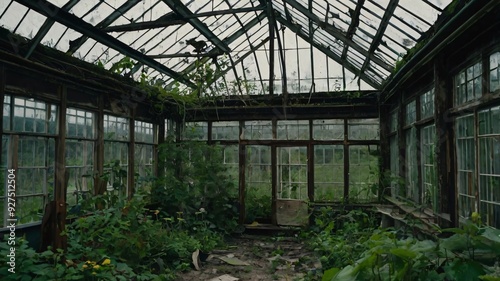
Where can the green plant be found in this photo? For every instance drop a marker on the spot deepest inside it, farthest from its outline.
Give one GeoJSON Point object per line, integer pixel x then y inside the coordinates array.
{"type": "Point", "coordinates": [195, 179]}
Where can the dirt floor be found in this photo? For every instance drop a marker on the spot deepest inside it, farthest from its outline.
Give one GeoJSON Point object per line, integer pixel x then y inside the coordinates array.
{"type": "Point", "coordinates": [254, 258]}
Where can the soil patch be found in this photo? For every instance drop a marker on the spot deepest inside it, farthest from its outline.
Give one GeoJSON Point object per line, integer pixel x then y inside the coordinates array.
{"type": "Point", "coordinates": [256, 258]}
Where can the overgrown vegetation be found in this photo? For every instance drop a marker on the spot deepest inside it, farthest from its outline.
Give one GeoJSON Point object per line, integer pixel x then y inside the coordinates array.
{"type": "Point", "coordinates": [352, 247]}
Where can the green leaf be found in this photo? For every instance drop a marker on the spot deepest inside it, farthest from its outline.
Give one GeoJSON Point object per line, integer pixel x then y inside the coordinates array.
{"type": "Point", "coordinates": [460, 270]}
{"type": "Point", "coordinates": [330, 273]}
{"type": "Point", "coordinates": [403, 253]}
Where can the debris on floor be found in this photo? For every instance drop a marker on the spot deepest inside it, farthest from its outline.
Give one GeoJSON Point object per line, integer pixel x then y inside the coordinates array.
{"type": "Point", "coordinates": [255, 258]}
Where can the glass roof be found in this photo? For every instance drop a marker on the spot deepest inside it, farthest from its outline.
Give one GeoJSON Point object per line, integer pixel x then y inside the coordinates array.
{"type": "Point", "coordinates": [319, 46]}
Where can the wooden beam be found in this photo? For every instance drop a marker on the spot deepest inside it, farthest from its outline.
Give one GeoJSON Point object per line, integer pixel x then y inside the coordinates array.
{"type": "Point", "coordinates": [60, 241]}
{"type": "Point", "coordinates": [445, 148]}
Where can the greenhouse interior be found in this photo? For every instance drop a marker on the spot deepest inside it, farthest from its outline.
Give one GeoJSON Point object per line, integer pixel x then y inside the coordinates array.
{"type": "Point", "coordinates": [250, 140]}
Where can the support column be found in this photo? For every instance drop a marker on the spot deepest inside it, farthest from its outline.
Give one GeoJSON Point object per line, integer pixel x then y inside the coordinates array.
{"type": "Point", "coordinates": [61, 177]}
{"type": "Point", "coordinates": [385, 151]}
{"type": "Point", "coordinates": [445, 153]}
{"type": "Point", "coordinates": [271, 47]}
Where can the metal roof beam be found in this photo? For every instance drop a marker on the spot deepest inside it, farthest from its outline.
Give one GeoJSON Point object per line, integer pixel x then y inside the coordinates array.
{"type": "Point", "coordinates": [377, 39]}
{"type": "Point", "coordinates": [71, 21]}
{"type": "Point", "coordinates": [329, 53]}
{"type": "Point", "coordinates": [179, 8]}
{"type": "Point", "coordinates": [46, 27]}
{"type": "Point", "coordinates": [226, 12]}
{"type": "Point", "coordinates": [338, 34]}
{"type": "Point", "coordinates": [230, 39]}
{"type": "Point", "coordinates": [164, 21]}
{"type": "Point", "coordinates": [353, 26]}
{"type": "Point", "coordinates": [104, 23]}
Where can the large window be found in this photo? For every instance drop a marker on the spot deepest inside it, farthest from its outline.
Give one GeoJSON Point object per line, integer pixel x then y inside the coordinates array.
{"type": "Point", "coordinates": [328, 172]}
{"type": "Point", "coordinates": [411, 162]}
{"type": "Point", "coordinates": [468, 85]}
{"type": "Point", "coordinates": [465, 150]}
{"type": "Point", "coordinates": [31, 154]}
{"type": "Point", "coordinates": [258, 130]}
{"type": "Point", "coordinates": [363, 172]}
{"type": "Point", "coordinates": [429, 173]}
{"type": "Point", "coordinates": [489, 165]}
{"type": "Point", "coordinates": [116, 137]}
{"type": "Point", "coordinates": [144, 133]}
{"type": "Point", "coordinates": [80, 136]}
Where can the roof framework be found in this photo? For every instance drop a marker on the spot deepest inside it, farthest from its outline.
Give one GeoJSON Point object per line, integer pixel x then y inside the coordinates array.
{"type": "Point", "coordinates": [271, 47]}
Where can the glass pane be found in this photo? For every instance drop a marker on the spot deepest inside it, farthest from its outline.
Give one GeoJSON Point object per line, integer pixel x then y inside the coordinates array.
{"type": "Point", "coordinates": [258, 183]}
{"type": "Point", "coordinates": [364, 129]}
{"type": "Point", "coordinates": [328, 173]}
{"type": "Point", "coordinates": [328, 129]}
{"type": "Point", "coordinates": [363, 172]}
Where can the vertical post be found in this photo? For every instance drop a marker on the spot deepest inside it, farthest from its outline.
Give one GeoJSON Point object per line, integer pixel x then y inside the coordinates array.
{"type": "Point", "coordinates": [160, 139]}
{"type": "Point", "coordinates": [445, 156]}
{"type": "Point", "coordinates": [2, 97]}
{"type": "Point", "coordinates": [242, 166]}
{"type": "Point", "coordinates": [271, 47]}
{"type": "Point", "coordinates": [274, 174]}
{"type": "Point", "coordinates": [346, 162]}
{"type": "Point", "coordinates": [99, 183]}
{"type": "Point", "coordinates": [131, 155]}
{"type": "Point", "coordinates": [401, 142]}
{"type": "Point", "coordinates": [310, 164]}
{"type": "Point", "coordinates": [420, 183]}
{"type": "Point", "coordinates": [384, 165]}
{"type": "Point", "coordinates": [60, 241]}
{"type": "Point", "coordinates": [311, 49]}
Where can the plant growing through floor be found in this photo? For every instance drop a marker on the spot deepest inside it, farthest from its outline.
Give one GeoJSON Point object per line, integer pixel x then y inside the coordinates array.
{"type": "Point", "coordinates": [390, 256]}
{"type": "Point", "coordinates": [195, 178]}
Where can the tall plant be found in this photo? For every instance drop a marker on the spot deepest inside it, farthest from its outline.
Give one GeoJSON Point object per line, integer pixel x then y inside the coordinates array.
{"type": "Point", "coordinates": [195, 180]}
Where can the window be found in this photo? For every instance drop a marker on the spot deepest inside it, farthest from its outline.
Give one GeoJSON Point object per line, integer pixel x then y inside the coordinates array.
{"type": "Point", "coordinates": [292, 173]}
{"type": "Point", "coordinates": [489, 165]}
{"type": "Point", "coordinates": [427, 104]}
{"type": "Point", "coordinates": [293, 130]}
{"type": "Point", "coordinates": [328, 172]}
{"type": "Point", "coordinates": [411, 165]}
{"type": "Point", "coordinates": [411, 113]}
{"type": "Point", "coordinates": [363, 171]}
{"type": "Point", "coordinates": [430, 193]}
{"type": "Point", "coordinates": [363, 129]}
{"type": "Point", "coordinates": [258, 130]}
{"type": "Point", "coordinates": [328, 129]}
{"type": "Point", "coordinates": [226, 130]}
{"type": "Point", "coordinates": [468, 84]}
{"type": "Point", "coordinates": [465, 150]}
{"type": "Point", "coordinates": [495, 72]}
{"type": "Point", "coordinates": [144, 149]}
{"type": "Point", "coordinates": [196, 131]}
{"type": "Point", "coordinates": [34, 157]}
{"type": "Point", "coordinates": [396, 189]}
{"type": "Point", "coordinates": [80, 136]}
{"type": "Point", "coordinates": [116, 136]}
